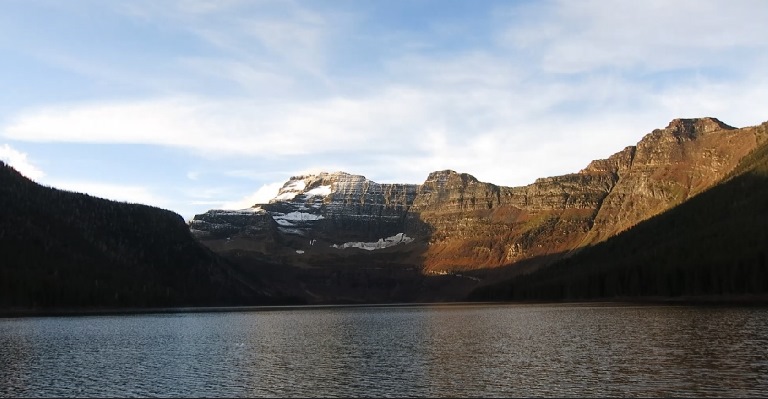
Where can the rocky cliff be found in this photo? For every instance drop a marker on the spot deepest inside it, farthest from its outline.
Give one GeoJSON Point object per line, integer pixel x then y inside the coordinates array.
{"type": "Point", "coordinates": [670, 165]}
{"type": "Point", "coordinates": [460, 223]}
{"type": "Point", "coordinates": [711, 247]}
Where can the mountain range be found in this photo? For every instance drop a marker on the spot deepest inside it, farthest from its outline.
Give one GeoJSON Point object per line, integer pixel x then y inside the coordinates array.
{"type": "Point", "coordinates": [683, 213]}
{"type": "Point", "coordinates": [475, 233]}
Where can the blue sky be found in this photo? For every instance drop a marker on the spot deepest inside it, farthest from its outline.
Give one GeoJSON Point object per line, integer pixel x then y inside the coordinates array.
{"type": "Point", "coordinates": [194, 105]}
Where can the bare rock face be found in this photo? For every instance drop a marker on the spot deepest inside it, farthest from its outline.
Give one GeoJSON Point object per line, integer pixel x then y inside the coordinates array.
{"type": "Point", "coordinates": [466, 224]}
{"type": "Point", "coordinates": [669, 166]}
{"type": "Point", "coordinates": [448, 191]}
{"type": "Point", "coordinates": [334, 207]}
{"type": "Point", "coordinates": [480, 225]}
{"type": "Point", "coordinates": [364, 210]}
{"type": "Point", "coordinates": [225, 223]}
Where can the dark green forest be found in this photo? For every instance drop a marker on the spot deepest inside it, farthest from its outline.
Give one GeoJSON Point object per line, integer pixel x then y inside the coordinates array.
{"type": "Point", "coordinates": [63, 249]}
{"type": "Point", "coordinates": [713, 245]}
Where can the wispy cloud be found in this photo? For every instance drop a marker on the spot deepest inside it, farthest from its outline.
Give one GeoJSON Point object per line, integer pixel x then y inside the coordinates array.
{"type": "Point", "coordinates": [517, 91]}
{"type": "Point", "coordinates": [576, 37]}
{"type": "Point", "coordinates": [433, 126]}
{"type": "Point", "coordinates": [261, 196]}
{"type": "Point", "coordinates": [19, 161]}
{"type": "Point", "coordinates": [115, 192]}
{"type": "Point", "coordinates": [252, 39]}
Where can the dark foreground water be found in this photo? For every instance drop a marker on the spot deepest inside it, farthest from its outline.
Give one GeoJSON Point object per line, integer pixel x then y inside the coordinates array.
{"type": "Point", "coordinates": [472, 350]}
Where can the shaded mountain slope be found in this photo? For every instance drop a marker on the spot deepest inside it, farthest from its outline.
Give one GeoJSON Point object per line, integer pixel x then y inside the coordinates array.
{"type": "Point", "coordinates": [64, 249]}
{"type": "Point", "coordinates": [714, 244]}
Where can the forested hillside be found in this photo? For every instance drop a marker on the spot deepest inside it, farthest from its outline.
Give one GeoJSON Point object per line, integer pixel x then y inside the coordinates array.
{"type": "Point", "coordinates": [64, 249]}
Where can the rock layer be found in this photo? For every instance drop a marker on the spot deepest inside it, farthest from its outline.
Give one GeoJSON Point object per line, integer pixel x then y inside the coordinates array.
{"type": "Point", "coordinates": [467, 224]}
{"type": "Point", "coordinates": [342, 207]}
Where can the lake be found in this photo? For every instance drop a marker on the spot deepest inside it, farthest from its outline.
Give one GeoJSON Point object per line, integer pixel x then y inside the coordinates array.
{"type": "Point", "coordinates": [428, 350]}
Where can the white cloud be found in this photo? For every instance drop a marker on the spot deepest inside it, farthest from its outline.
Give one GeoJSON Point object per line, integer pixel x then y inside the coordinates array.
{"type": "Point", "coordinates": [740, 106]}
{"type": "Point", "coordinates": [261, 196]}
{"type": "Point", "coordinates": [299, 40]}
{"type": "Point", "coordinates": [250, 77]}
{"type": "Point", "coordinates": [18, 160]}
{"type": "Point", "coordinates": [405, 132]}
{"type": "Point", "coordinates": [279, 38]}
{"type": "Point", "coordinates": [115, 192]}
{"type": "Point", "coordinates": [569, 82]}
{"type": "Point", "coordinates": [582, 36]}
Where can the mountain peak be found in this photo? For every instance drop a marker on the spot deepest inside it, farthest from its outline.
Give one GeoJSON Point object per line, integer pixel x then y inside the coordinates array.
{"type": "Point", "coordinates": [315, 175]}
{"type": "Point", "coordinates": [319, 184]}
{"type": "Point", "coordinates": [442, 175]}
{"type": "Point", "coordinates": [697, 125]}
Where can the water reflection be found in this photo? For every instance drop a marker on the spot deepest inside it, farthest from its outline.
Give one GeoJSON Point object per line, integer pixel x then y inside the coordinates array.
{"type": "Point", "coordinates": [393, 351]}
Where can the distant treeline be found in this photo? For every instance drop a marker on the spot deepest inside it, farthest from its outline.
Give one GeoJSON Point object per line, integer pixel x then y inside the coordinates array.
{"type": "Point", "coordinates": [715, 244]}
{"type": "Point", "coordinates": [64, 249]}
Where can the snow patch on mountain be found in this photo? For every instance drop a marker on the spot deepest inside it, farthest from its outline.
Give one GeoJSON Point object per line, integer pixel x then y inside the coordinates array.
{"type": "Point", "coordinates": [399, 238]}
{"type": "Point", "coordinates": [321, 191]}
{"type": "Point", "coordinates": [290, 190]}
{"type": "Point", "coordinates": [294, 231]}
{"type": "Point", "coordinates": [298, 216]}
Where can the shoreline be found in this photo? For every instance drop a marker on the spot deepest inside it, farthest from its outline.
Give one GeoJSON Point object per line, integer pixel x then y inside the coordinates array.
{"type": "Point", "coordinates": [709, 301]}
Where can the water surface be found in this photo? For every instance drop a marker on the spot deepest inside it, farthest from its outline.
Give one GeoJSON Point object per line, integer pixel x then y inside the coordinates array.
{"type": "Point", "coordinates": [467, 351]}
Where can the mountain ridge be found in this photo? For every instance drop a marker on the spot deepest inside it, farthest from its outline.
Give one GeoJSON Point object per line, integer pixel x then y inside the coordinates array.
{"type": "Point", "coordinates": [341, 238]}
{"type": "Point", "coordinates": [468, 224]}
{"type": "Point", "coordinates": [711, 248]}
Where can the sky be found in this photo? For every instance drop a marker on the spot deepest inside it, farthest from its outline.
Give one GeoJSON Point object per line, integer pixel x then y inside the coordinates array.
{"type": "Point", "coordinates": [197, 105]}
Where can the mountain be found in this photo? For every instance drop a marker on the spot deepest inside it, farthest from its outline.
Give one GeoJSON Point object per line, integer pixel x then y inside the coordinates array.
{"type": "Point", "coordinates": [69, 250]}
{"type": "Point", "coordinates": [714, 244]}
{"type": "Point", "coordinates": [682, 213]}
{"type": "Point", "coordinates": [330, 237]}
{"type": "Point", "coordinates": [328, 206]}
{"type": "Point", "coordinates": [453, 225]}
{"type": "Point", "coordinates": [481, 225]}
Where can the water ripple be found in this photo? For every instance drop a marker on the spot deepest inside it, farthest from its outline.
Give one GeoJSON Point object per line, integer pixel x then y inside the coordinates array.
{"type": "Point", "coordinates": [442, 351]}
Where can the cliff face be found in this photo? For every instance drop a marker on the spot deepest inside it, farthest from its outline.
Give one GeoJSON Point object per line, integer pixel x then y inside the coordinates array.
{"type": "Point", "coordinates": [339, 207]}
{"type": "Point", "coordinates": [669, 166]}
{"type": "Point", "coordinates": [254, 223]}
{"type": "Point", "coordinates": [463, 223]}
{"type": "Point", "coordinates": [479, 225]}
{"type": "Point", "coordinates": [712, 246]}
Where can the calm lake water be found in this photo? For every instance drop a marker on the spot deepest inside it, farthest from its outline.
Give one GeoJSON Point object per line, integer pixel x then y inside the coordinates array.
{"type": "Point", "coordinates": [458, 350]}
